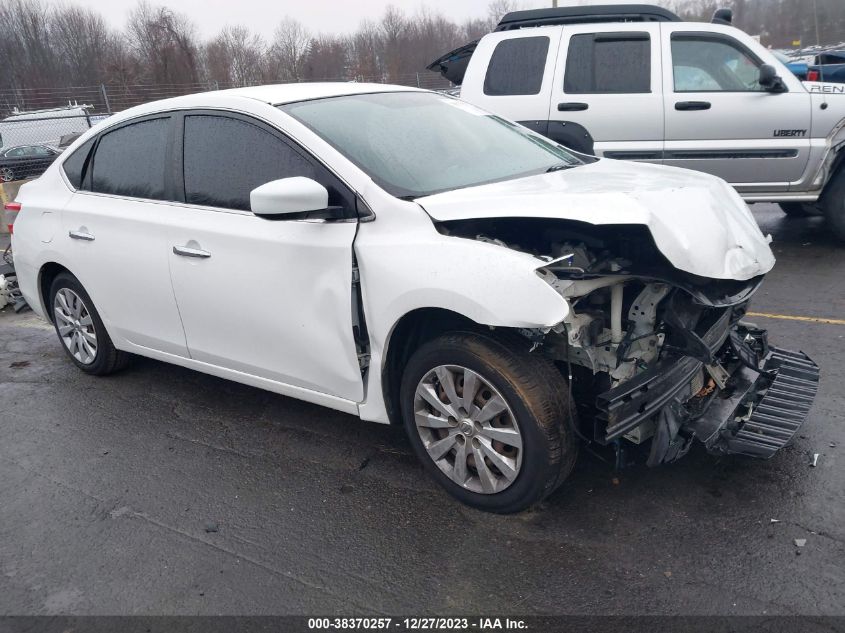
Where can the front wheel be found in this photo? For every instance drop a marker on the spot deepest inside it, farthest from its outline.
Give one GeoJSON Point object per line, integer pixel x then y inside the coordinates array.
{"type": "Point", "coordinates": [81, 330]}
{"type": "Point", "coordinates": [489, 421]}
{"type": "Point", "coordinates": [6, 174]}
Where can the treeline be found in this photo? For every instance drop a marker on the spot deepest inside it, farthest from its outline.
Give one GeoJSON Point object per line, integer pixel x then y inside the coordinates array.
{"type": "Point", "coordinates": [777, 22]}
{"type": "Point", "coordinates": [48, 45]}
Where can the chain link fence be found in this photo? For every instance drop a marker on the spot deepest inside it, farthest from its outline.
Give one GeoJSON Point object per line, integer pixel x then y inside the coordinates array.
{"type": "Point", "coordinates": [106, 99]}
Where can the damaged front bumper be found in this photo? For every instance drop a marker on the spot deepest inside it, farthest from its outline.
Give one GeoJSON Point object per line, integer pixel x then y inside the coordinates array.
{"type": "Point", "coordinates": [748, 399]}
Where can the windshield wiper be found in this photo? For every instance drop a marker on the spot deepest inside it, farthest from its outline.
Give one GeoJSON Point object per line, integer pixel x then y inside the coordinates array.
{"type": "Point", "coordinates": [559, 167]}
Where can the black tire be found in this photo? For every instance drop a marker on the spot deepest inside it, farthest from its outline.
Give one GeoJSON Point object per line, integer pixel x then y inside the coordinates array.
{"type": "Point", "coordinates": [537, 395]}
{"type": "Point", "coordinates": [107, 359]}
{"type": "Point", "coordinates": [6, 174]}
{"type": "Point", "coordinates": [833, 204]}
{"type": "Point", "coordinates": [794, 209]}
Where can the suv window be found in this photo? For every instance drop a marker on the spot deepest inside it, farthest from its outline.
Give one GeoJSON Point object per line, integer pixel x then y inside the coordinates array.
{"type": "Point", "coordinates": [608, 63]}
{"type": "Point", "coordinates": [225, 158]}
{"type": "Point", "coordinates": [75, 165]}
{"type": "Point", "coordinates": [130, 161]}
{"type": "Point", "coordinates": [707, 63]}
{"type": "Point", "coordinates": [517, 66]}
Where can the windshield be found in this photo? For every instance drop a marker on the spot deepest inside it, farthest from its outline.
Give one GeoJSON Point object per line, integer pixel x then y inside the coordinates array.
{"type": "Point", "coordinates": [414, 144]}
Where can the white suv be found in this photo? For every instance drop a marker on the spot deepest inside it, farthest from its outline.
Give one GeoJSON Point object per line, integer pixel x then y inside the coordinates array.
{"type": "Point", "coordinates": [404, 256]}
{"type": "Point", "coordinates": [636, 83]}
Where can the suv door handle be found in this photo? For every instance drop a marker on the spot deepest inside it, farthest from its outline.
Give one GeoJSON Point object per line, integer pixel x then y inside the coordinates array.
{"type": "Point", "coordinates": [80, 235]}
{"type": "Point", "coordinates": [692, 105]}
{"type": "Point", "coordinates": [572, 106]}
{"type": "Point", "coordinates": [186, 251]}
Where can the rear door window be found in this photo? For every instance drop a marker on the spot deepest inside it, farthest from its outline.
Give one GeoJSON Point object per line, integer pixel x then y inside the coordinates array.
{"type": "Point", "coordinates": [225, 158]}
{"type": "Point", "coordinates": [131, 160]}
{"type": "Point", "coordinates": [608, 63]}
{"type": "Point", "coordinates": [517, 67]}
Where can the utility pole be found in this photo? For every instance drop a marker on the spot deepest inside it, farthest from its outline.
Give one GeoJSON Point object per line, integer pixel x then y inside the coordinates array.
{"type": "Point", "coordinates": [554, 4]}
{"type": "Point", "coordinates": [816, 19]}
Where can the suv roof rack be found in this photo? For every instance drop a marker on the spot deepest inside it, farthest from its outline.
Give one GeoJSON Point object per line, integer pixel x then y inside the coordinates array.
{"type": "Point", "coordinates": [586, 15]}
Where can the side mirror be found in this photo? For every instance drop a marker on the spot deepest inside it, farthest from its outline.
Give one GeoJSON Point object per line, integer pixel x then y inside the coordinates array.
{"type": "Point", "coordinates": [770, 80]}
{"type": "Point", "coordinates": [288, 197]}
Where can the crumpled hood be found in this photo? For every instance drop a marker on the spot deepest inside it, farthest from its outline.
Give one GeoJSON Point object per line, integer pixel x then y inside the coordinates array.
{"type": "Point", "coordinates": [698, 221]}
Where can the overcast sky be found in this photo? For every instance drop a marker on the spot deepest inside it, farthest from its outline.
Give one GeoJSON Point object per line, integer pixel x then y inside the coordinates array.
{"type": "Point", "coordinates": [318, 15]}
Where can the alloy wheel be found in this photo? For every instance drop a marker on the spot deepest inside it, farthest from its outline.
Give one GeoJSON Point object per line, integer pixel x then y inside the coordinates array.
{"type": "Point", "coordinates": [75, 326]}
{"type": "Point", "coordinates": [6, 175]}
{"type": "Point", "coordinates": [468, 429]}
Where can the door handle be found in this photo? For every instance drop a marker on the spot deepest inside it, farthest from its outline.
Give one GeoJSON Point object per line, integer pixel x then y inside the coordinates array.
{"type": "Point", "coordinates": [186, 251]}
{"type": "Point", "coordinates": [80, 235]}
{"type": "Point", "coordinates": [573, 106]}
{"type": "Point", "coordinates": [692, 105]}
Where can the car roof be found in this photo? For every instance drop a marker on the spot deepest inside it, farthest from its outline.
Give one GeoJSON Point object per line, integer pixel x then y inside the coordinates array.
{"type": "Point", "coordinates": [277, 94]}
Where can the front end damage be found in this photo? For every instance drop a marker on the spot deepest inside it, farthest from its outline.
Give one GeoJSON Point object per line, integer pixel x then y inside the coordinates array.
{"type": "Point", "coordinates": [658, 357]}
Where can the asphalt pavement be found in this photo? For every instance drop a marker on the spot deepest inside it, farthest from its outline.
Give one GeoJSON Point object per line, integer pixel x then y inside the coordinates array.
{"type": "Point", "coordinates": [164, 491]}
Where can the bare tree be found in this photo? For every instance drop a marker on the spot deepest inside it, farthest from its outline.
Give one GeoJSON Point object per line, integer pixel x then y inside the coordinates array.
{"type": "Point", "coordinates": [83, 42]}
{"type": "Point", "coordinates": [394, 27]}
{"type": "Point", "coordinates": [236, 56]}
{"type": "Point", "coordinates": [498, 8]}
{"type": "Point", "coordinates": [164, 42]}
{"type": "Point", "coordinates": [290, 45]}
{"type": "Point", "coordinates": [28, 56]}
{"type": "Point", "coordinates": [365, 45]}
{"type": "Point", "coordinates": [327, 58]}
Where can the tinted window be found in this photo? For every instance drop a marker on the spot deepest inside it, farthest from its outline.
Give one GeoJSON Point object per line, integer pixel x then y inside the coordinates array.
{"type": "Point", "coordinates": [130, 161]}
{"type": "Point", "coordinates": [516, 67]}
{"type": "Point", "coordinates": [608, 63]}
{"type": "Point", "coordinates": [226, 158]}
{"type": "Point", "coordinates": [76, 163]}
{"type": "Point", "coordinates": [706, 64]}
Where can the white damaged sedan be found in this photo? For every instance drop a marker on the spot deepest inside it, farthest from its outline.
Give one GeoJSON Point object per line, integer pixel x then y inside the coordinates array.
{"type": "Point", "coordinates": [405, 257]}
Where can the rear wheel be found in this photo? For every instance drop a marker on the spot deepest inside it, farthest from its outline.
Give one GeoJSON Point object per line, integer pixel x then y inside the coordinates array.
{"type": "Point", "coordinates": [794, 209]}
{"type": "Point", "coordinates": [833, 204]}
{"type": "Point", "coordinates": [488, 420]}
{"type": "Point", "coordinates": [6, 174]}
{"type": "Point", "coordinates": [81, 330]}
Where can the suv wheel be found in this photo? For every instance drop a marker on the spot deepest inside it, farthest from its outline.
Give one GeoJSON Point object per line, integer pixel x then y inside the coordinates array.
{"type": "Point", "coordinates": [489, 421]}
{"type": "Point", "coordinates": [833, 204]}
{"type": "Point", "coordinates": [81, 330]}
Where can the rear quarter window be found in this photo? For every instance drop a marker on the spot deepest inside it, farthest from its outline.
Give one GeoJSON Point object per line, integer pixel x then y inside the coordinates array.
{"type": "Point", "coordinates": [75, 165]}
{"type": "Point", "coordinates": [517, 66]}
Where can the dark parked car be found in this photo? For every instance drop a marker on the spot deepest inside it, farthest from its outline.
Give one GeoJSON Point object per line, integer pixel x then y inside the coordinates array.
{"type": "Point", "coordinates": [25, 161]}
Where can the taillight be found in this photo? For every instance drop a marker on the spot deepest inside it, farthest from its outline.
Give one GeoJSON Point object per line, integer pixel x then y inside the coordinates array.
{"type": "Point", "coordinates": [812, 75]}
{"type": "Point", "coordinates": [11, 207]}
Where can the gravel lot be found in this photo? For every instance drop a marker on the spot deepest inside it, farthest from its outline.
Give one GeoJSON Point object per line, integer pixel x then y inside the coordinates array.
{"type": "Point", "coordinates": [161, 490]}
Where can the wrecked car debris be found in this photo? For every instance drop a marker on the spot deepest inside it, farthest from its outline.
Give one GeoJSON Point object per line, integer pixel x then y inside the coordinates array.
{"type": "Point", "coordinates": [656, 353]}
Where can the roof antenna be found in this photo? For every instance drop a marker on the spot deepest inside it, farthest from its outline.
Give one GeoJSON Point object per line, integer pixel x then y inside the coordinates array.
{"type": "Point", "coordinates": [723, 16]}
